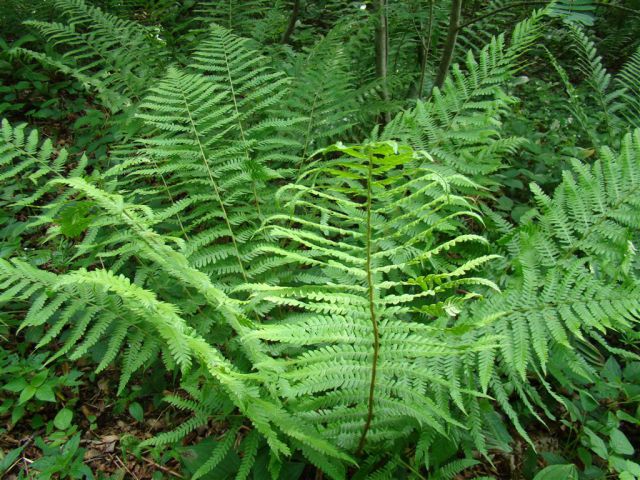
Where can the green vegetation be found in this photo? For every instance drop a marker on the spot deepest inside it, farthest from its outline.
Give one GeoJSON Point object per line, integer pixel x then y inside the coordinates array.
{"type": "Point", "coordinates": [301, 240]}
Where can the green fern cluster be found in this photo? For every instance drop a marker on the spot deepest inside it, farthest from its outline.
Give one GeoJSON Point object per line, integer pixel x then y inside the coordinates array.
{"type": "Point", "coordinates": [345, 306]}
{"type": "Point", "coordinates": [460, 124]}
{"type": "Point", "coordinates": [114, 57]}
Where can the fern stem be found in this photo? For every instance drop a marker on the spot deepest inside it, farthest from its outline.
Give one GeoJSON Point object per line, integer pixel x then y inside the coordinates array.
{"type": "Point", "coordinates": [308, 135]}
{"type": "Point", "coordinates": [372, 311]}
{"type": "Point", "coordinates": [166, 188]}
{"type": "Point", "coordinates": [244, 140]}
{"type": "Point", "coordinates": [215, 187]}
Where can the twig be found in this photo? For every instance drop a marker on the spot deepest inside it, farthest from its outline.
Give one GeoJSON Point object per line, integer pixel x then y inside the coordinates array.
{"type": "Point", "coordinates": [14, 464]}
{"type": "Point", "coordinates": [97, 457]}
{"type": "Point", "coordinates": [11, 440]}
{"type": "Point", "coordinates": [119, 460]}
{"type": "Point", "coordinates": [25, 443]}
{"type": "Point", "coordinates": [162, 412]}
{"type": "Point", "coordinates": [26, 462]}
{"type": "Point", "coordinates": [162, 467]}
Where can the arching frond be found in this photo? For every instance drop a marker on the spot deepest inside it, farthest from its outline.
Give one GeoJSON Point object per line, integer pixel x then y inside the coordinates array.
{"type": "Point", "coordinates": [628, 79]}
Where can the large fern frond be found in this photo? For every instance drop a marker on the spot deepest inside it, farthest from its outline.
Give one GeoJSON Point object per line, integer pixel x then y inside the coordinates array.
{"type": "Point", "coordinates": [576, 278]}
{"type": "Point", "coordinates": [373, 234]}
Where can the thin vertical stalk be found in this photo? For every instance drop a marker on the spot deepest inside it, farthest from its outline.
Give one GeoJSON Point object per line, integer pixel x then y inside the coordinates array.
{"type": "Point", "coordinates": [372, 313]}
{"type": "Point", "coordinates": [382, 52]}
{"type": "Point", "coordinates": [214, 184]}
{"type": "Point", "coordinates": [425, 51]}
{"type": "Point", "coordinates": [237, 111]}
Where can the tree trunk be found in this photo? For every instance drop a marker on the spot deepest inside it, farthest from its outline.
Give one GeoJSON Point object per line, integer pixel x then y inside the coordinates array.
{"type": "Point", "coordinates": [286, 36]}
{"type": "Point", "coordinates": [450, 45]}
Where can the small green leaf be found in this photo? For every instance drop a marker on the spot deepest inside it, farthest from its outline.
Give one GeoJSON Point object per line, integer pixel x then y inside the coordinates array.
{"type": "Point", "coordinates": [597, 444]}
{"type": "Point", "coordinates": [625, 417]}
{"type": "Point", "coordinates": [7, 461]}
{"type": "Point", "coordinates": [135, 410]}
{"type": "Point", "coordinates": [633, 468]}
{"type": "Point", "coordinates": [26, 394]}
{"type": "Point", "coordinates": [16, 385]}
{"type": "Point", "coordinates": [620, 443]}
{"type": "Point", "coordinates": [612, 371]}
{"type": "Point", "coordinates": [63, 418]}
{"type": "Point", "coordinates": [558, 472]}
{"type": "Point", "coordinates": [45, 394]}
{"type": "Point", "coordinates": [17, 414]}
{"type": "Point", "coordinates": [39, 378]}
{"type": "Point", "coordinates": [585, 456]}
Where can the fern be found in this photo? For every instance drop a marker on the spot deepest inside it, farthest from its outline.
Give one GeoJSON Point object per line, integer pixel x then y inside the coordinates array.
{"type": "Point", "coordinates": [459, 124]}
{"type": "Point", "coordinates": [218, 454]}
{"type": "Point", "coordinates": [183, 342]}
{"type": "Point", "coordinates": [188, 108]}
{"type": "Point", "coordinates": [254, 89]}
{"type": "Point", "coordinates": [614, 100]}
{"type": "Point", "coordinates": [242, 17]}
{"type": "Point", "coordinates": [344, 306]}
{"type": "Point", "coordinates": [599, 80]}
{"type": "Point", "coordinates": [23, 155]}
{"type": "Point", "coordinates": [567, 291]}
{"type": "Point", "coordinates": [628, 79]}
{"type": "Point", "coordinates": [206, 146]}
{"type": "Point", "coordinates": [113, 56]}
{"type": "Point", "coordinates": [495, 17]}
{"type": "Point", "coordinates": [600, 207]}
{"type": "Point", "coordinates": [328, 103]}
{"type": "Point", "coordinates": [27, 164]}
{"type": "Point", "coordinates": [365, 228]}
